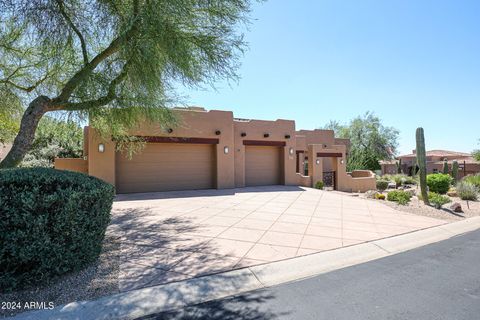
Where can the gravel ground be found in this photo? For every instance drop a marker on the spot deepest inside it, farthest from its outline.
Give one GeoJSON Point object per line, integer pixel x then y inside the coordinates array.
{"type": "Point", "coordinates": [97, 280]}
{"type": "Point", "coordinates": [415, 206]}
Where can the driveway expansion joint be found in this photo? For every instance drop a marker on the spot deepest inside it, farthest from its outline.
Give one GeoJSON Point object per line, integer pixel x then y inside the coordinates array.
{"type": "Point", "coordinates": [141, 302]}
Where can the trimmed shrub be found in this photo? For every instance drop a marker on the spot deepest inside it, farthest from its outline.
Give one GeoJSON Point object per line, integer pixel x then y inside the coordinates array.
{"type": "Point", "coordinates": [382, 185]}
{"type": "Point", "coordinates": [380, 196]}
{"type": "Point", "coordinates": [51, 222]}
{"type": "Point", "coordinates": [467, 191]}
{"type": "Point", "coordinates": [475, 180]}
{"type": "Point", "coordinates": [319, 185]}
{"type": "Point", "coordinates": [399, 196]}
{"type": "Point", "coordinates": [438, 200]}
{"type": "Point", "coordinates": [439, 182]}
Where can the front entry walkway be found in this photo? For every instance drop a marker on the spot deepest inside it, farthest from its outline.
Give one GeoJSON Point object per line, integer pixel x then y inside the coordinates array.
{"type": "Point", "coordinates": [172, 236]}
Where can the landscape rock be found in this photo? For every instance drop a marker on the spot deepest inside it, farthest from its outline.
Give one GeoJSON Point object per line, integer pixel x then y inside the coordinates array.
{"type": "Point", "coordinates": [371, 194]}
{"type": "Point", "coordinates": [456, 207]}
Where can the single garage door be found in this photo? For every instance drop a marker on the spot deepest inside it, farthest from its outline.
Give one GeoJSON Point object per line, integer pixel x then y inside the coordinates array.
{"type": "Point", "coordinates": [167, 167]}
{"type": "Point", "coordinates": [262, 165]}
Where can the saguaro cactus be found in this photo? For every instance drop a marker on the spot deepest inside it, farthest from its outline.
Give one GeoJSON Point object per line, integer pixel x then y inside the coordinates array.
{"type": "Point", "coordinates": [455, 170]}
{"type": "Point", "coordinates": [422, 164]}
{"type": "Point", "coordinates": [445, 166]}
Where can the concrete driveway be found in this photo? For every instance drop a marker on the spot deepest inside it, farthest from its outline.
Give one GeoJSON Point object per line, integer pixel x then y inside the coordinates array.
{"type": "Point", "coordinates": [172, 236]}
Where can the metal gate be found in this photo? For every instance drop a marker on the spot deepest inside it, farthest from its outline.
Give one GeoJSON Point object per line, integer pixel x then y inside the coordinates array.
{"type": "Point", "coordinates": [329, 180]}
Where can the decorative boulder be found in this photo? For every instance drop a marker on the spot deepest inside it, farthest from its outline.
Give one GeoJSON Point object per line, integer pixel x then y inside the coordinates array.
{"type": "Point", "coordinates": [452, 193]}
{"type": "Point", "coordinates": [456, 207]}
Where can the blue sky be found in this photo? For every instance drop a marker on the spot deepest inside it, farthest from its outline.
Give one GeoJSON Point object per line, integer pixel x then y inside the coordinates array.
{"type": "Point", "coordinates": [414, 63]}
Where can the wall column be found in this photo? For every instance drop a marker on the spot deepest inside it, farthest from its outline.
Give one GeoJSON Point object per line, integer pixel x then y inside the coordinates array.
{"type": "Point", "coordinates": [315, 164]}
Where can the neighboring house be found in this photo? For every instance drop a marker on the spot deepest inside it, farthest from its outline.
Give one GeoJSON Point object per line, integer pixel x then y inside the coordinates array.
{"type": "Point", "coordinates": [212, 149]}
{"type": "Point", "coordinates": [435, 159]}
{"type": "Point", "coordinates": [4, 150]}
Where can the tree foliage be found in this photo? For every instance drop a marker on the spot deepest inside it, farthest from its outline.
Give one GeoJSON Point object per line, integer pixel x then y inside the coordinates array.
{"type": "Point", "coordinates": [371, 141]}
{"type": "Point", "coordinates": [54, 138]}
{"type": "Point", "coordinates": [115, 62]}
{"type": "Point", "coordinates": [476, 154]}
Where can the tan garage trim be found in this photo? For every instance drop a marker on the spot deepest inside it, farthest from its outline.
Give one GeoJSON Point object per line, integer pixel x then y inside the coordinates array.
{"type": "Point", "coordinates": [263, 165]}
{"type": "Point", "coordinates": [167, 167]}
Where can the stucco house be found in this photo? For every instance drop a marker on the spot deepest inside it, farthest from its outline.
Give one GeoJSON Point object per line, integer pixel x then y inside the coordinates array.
{"type": "Point", "coordinates": [212, 149]}
{"type": "Point", "coordinates": [4, 150]}
{"type": "Point", "coordinates": [435, 159]}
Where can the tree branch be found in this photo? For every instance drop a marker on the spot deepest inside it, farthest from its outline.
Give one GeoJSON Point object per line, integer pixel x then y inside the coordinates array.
{"type": "Point", "coordinates": [109, 97]}
{"type": "Point", "coordinates": [23, 88]}
{"type": "Point", "coordinates": [78, 77]}
{"type": "Point", "coordinates": [75, 29]}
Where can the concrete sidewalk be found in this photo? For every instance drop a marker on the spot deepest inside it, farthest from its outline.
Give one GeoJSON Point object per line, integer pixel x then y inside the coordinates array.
{"type": "Point", "coordinates": [137, 303]}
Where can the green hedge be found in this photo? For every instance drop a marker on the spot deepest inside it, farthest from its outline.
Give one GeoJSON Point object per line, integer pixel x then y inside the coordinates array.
{"type": "Point", "coordinates": [51, 222]}
{"type": "Point", "coordinates": [439, 182]}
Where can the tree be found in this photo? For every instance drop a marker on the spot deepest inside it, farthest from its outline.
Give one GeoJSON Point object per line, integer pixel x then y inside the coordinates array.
{"type": "Point", "coordinates": [10, 114]}
{"type": "Point", "coordinates": [476, 154]}
{"type": "Point", "coordinates": [54, 138]}
{"type": "Point", "coordinates": [371, 141]}
{"type": "Point", "coordinates": [115, 62]}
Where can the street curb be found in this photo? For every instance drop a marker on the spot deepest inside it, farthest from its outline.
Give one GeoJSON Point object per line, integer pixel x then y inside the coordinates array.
{"type": "Point", "coordinates": [142, 302]}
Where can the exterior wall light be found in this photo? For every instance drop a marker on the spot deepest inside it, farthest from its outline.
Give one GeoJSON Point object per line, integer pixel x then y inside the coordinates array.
{"type": "Point", "coordinates": [317, 161]}
{"type": "Point", "coordinates": [218, 132]}
{"type": "Point", "coordinates": [101, 148]}
{"type": "Point", "coordinates": [266, 135]}
{"type": "Point", "coordinates": [170, 130]}
{"type": "Point", "coordinates": [287, 136]}
{"type": "Point", "coordinates": [342, 161]}
{"type": "Point", "coordinates": [225, 150]}
{"type": "Point", "coordinates": [290, 151]}
{"type": "Point", "coordinates": [243, 134]}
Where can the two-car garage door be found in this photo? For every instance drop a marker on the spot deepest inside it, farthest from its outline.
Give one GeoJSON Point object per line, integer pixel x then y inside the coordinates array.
{"type": "Point", "coordinates": [166, 167]}
{"type": "Point", "coordinates": [189, 166]}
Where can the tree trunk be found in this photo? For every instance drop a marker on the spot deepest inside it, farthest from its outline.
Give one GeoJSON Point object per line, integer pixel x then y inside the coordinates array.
{"type": "Point", "coordinates": [24, 139]}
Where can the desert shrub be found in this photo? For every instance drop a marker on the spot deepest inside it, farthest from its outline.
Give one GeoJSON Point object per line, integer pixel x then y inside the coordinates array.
{"type": "Point", "coordinates": [473, 179]}
{"type": "Point", "coordinates": [319, 185]}
{"type": "Point", "coordinates": [399, 196]}
{"type": "Point", "coordinates": [439, 182]}
{"type": "Point", "coordinates": [380, 196]}
{"type": "Point", "coordinates": [409, 180]}
{"type": "Point", "coordinates": [438, 200]}
{"type": "Point", "coordinates": [51, 222]}
{"type": "Point", "coordinates": [467, 191]}
{"type": "Point", "coordinates": [398, 179]}
{"type": "Point", "coordinates": [382, 185]}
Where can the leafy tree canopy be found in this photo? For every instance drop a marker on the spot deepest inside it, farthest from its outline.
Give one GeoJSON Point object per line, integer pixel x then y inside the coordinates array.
{"type": "Point", "coordinates": [54, 138]}
{"type": "Point", "coordinates": [476, 154]}
{"type": "Point", "coordinates": [113, 61]}
{"type": "Point", "coordinates": [371, 141]}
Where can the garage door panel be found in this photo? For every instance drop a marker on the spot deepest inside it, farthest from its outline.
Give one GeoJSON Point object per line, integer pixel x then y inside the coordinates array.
{"type": "Point", "coordinates": [262, 165]}
{"type": "Point", "coordinates": [166, 167]}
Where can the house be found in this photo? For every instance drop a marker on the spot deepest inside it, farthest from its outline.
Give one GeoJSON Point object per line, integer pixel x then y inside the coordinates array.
{"type": "Point", "coordinates": [212, 149]}
{"type": "Point", "coordinates": [4, 150]}
{"type": "Point", "coordinates": [435, 160]}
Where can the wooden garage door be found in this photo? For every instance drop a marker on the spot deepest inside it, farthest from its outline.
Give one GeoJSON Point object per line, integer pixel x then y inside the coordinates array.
{"type": "Point", "coordinates": [262, 165]}
{"type": "Point", "coordinates": [166, 167]}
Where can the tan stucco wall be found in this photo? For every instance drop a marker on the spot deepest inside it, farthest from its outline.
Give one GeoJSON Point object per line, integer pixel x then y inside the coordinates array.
{"type": "Point", "coordinates": [255, 130]}
{"type": "Point", "coordinates": [71, 164]}
{"type": "Point", "coordinates": [192, 124]}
